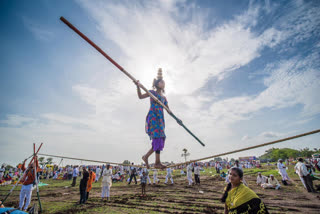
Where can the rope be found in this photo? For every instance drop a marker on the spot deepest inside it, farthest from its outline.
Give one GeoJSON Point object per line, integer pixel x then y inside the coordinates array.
{"type": "Point", "coordinates": [87, 160]}
{"type": "Point", "coordinates": [251, 147]}
{"type": "Point", "coordinates": [201, 159]}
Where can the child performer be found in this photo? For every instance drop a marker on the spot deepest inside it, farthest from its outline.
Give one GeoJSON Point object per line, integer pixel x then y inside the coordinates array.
{"type": "Point", "coordinates": [155, 124]}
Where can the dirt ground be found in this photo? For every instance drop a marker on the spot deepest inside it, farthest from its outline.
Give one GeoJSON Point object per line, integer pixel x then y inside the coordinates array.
{"type": "Point", "coordinates": [59, 197]}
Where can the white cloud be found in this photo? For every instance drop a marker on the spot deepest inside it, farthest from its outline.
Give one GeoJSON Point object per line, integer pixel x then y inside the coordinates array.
{"type": "Point", "coordinates": [17, 120]}
{"type": "Point", "coordinates": [291, 82]}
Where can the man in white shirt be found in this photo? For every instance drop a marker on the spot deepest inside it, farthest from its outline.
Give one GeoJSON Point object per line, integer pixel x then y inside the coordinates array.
{"type": "Point", "coordinates": [189, 174]}
{"type": "Point", "coordinates": [283, 171]}
{"type": "Point", "coordinates": [197, 173]}
{"type": "Point", "coordinates": [261, 179]}
{"type": "Point", "coordinates": [155, 178]}
{"type": "Point", "coordinates": [169, 175]}
{"type": "Point", "coordinates": [146, 171]}
{"type": "Point", "coordinates": [98, 173]}
{"type": "Point", "coordinates": [75, 174]}
{"type": "Point", "coordinates": [133, 172]}
{"type": "Point", "coordinates": [304, 175]}
{"type": "Point", "coordinates": [106, 182]}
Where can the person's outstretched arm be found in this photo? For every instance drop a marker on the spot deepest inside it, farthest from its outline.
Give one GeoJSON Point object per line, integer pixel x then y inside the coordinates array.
{"type": "Point", "coordinates": [140, 95]}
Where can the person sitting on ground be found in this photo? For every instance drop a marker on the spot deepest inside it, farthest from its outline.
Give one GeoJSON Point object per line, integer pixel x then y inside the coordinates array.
{"type": "Point", "coordinates": [272, 183]}
{"type": "Point", "coordinates": [261, 179]}
{"type": "Point", "coordinates": [239, 198]}
{"type": "Point", "coordinates": [116, 177]}
{"type": "Point", "coordinates": [223, 174]}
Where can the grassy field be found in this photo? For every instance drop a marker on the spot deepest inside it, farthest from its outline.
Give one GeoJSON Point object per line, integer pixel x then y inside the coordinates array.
{"type": "Point", "coordinates": [60, 197]}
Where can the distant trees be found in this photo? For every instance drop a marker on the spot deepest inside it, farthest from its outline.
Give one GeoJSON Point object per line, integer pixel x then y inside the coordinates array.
{"type": "Point", "coordinates": [274, 154]}
{"type": "Point", "coordinates": [126, 162]}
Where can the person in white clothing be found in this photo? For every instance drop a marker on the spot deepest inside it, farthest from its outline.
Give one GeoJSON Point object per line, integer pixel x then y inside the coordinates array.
{"type": "Point", "coordinates": [189, 174]}
{"type": "Point", "coordinates": [272, 183]}
{"type": "Point", "coordinates": [155, 178]}
{"type": "Point", "coordinates": [283, 172]}
{"type": "Point", "coordinates": [106, 182]}
{"type": "Point", "coordinates": [147, 174]}
{"type": "Point", "coordinates": [98, 173]}
{"type": "Point", "coordinates": [169, 175]}
{"type": "Point", "coordinates": [261, 179]}
{"type": "Point", "coordinates": [1, 173]}
{"type": "Point", "coordinates": [304, 175]}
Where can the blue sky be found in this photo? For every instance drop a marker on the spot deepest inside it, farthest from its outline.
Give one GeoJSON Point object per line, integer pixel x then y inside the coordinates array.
{"type": "Point", "coordinates": [238, 73]}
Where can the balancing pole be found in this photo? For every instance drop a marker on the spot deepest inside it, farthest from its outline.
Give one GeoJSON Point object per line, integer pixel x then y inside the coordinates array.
{"type": "Point", "coordinates": [129, 75]}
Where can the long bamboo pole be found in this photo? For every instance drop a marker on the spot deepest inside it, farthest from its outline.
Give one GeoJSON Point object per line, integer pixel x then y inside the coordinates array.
{"type": "Point", "coordinates": [249, 148]}
{"type": "Point", "coordinates": [129, 75]}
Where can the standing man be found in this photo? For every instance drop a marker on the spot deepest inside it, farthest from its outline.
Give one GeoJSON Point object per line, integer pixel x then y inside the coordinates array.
{"type": "Point", "coordinates": [197, 173]}
{"type": "Point", "coordinates": [98, 173]}
{"type": "Point", "coordinates": [133, 171]}
{"type": "Point", "coordinates": [75, 175]}
{"type": "Point", "coordinates": [169, 175]}
{"type": "Point", "coordinates": [155, 178]}
{"type": "Point", "coordinates": [92, 178]}
{"type": "Point", "coordinates": [304, 175]}
{"type": "Point", "coordinates": [83, 185]}
{"type": "Point", "coordinates": [283, 172]}
{"type": "Point", "coordinates": [189, 174]}
{"type": "Point", "coordinates": [27, 184]}
{"type": "Point", "coordinates": [106, 182]}
{"type": "Point", "coordinates": [70, 171]}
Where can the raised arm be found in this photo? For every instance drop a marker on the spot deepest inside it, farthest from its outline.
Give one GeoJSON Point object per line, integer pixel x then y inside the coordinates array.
{"type": "Point", "coordinates": [140, 95]}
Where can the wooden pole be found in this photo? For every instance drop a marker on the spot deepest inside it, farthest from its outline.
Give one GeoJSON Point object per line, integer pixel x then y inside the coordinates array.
{"type": "Point", "coordinates": [128, 74]}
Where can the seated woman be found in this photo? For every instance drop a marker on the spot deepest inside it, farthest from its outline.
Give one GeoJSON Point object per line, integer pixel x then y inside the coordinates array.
{"type": "Point", "coordinates": [272, 183]}
{"type": "Point", "coordinates": [239, 198]}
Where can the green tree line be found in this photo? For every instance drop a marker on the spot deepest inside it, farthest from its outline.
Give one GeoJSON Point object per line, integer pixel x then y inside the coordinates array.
{"type": "Point", "coordinates": [274, 154]}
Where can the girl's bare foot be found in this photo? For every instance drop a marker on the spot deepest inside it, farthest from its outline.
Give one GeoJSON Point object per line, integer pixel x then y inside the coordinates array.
{"type": "Point", "coordinates": [159, 166]}
{"type": "Point", "coordinates": [146, 161]}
